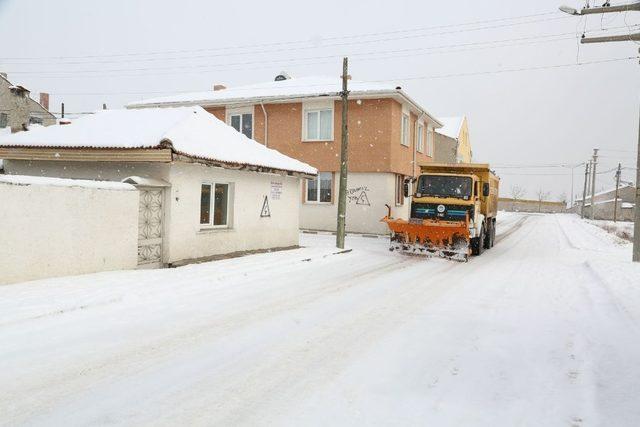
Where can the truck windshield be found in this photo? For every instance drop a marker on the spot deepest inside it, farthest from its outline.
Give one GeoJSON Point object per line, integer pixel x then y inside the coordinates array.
{"type": "Point", "coordinates": [445, 186]}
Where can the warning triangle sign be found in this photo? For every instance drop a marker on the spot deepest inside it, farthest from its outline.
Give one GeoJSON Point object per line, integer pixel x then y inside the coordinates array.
{"type": "Point", "coordinates": [266, 212]}
{"type": "Point", "coordinates": [363, 199]}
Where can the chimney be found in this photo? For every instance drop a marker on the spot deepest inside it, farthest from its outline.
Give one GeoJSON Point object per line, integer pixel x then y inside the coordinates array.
{"type": "Point", "coordinates": [218, 87]}
{"type": "Point", "coordinates": [44, 100]}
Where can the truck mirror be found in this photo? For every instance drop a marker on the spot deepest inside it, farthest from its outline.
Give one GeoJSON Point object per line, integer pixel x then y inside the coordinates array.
{"type": "Point", "coordinates": [406, 189]}
{"type": "Point", "coordinates": [485, 189]}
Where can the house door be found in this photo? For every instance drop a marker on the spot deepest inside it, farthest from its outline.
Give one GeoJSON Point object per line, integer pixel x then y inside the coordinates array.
{"type": "Point", "coordinates": [150, 226]}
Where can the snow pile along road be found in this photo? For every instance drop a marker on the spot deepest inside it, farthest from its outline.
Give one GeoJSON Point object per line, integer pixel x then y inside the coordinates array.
{"type": "Point", "coordinates": [543, 329]}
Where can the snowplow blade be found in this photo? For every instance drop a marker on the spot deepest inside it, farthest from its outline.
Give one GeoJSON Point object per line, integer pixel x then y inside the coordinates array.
{"type": "Point", "coordinates": [430, 237]}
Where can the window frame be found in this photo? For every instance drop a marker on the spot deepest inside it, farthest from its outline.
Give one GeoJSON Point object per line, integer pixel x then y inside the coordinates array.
{"type": "Point", "coordinates": [317, 107]}
{"type": "Point", "coordinates": [4, 118]}
{"type": "Point", "coordinates": [404, 133]}
{"type": "Point", "coordinates": [240, 111]}
{"type": "Point", "coordinates": [420, 137]}
{"type": "Point", "coordinates": [318, 179]}
{"type": "Point", "coordinates": [430, 140]}
{"type": "Point", "coordinates": [399, 190]}
{"type": "Point", "coordinates": [212, 205]}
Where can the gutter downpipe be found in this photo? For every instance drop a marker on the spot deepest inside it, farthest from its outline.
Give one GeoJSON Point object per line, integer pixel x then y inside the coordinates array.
{"type": "Point", "coordinates": [266, 125]}
{"type": "Point", "coordinates": [415, 143]}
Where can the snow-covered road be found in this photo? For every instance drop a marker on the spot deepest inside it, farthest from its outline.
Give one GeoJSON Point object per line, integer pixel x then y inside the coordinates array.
{"type": "Point", "coordinates": [543, 329]}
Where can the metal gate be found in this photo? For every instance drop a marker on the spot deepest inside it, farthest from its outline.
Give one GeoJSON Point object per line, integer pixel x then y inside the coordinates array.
{"type": "Point", "coordinates": [150, 226]}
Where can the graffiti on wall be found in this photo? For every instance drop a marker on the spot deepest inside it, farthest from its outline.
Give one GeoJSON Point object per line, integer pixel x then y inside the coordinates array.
{"type": "Point", "coordinates": [358, 195]}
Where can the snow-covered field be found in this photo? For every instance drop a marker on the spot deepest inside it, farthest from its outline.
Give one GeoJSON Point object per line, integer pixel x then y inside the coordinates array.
{"type": "Point", "coordinates": [542, 330]}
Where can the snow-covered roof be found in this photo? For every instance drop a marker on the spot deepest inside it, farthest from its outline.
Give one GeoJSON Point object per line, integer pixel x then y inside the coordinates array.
{"type": "Point", "coordinates": [191, 131]}
{"type": "Point", "coordinates": [62, 182]}
{"type": "Point", "coordinates": [451, 126]}
{"type": "Point", "coordinates": [627, 205]}
{"type": "Point", "coordinates": [292, 88]}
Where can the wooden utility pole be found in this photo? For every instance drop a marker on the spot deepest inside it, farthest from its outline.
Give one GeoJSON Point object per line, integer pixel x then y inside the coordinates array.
{"type": "Point", "coordinates": [344, 157]}
{"type": "Point", "coordinates": [615, 200]}
{"type": "Point", "coordinates": [607, 8]}
{"type": "Point", "coordinates": [593, 183]}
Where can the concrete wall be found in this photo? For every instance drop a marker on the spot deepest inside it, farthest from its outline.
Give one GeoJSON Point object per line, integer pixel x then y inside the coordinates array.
{"type": "Point", "coordinates": [184, 238]}
{"type": "Point", "coordinates": [48, 231]}
{"type": "Point", "coordinates": [367, 194]}
{"type": "Point", "coordinates": [510, 205]}
{"type": "Point", "coordinates": [445, 150]}
{"type": "Point", "coordinates": [187, 239]}
{"type": "Point", "coordinates": [605, 211]}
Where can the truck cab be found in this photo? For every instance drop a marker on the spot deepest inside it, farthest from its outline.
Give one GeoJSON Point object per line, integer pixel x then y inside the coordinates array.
{"type": "Point", "coordinates": [453, 211]}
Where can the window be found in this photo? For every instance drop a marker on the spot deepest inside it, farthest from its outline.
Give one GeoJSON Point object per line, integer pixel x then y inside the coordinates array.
{"type": "Point", "coordinates": [4, 120]}
{"type": "Point", "coordinates": [214, 208]}
{"type": "Point", "coordinates": [35, 120]}
{"type": "Point", "coordinates": [242, 123]}
{"type": "Point", "coordinates": [399, 190]}
{"type": "Point", "coordinates": [405, 130]}
{"type": "Point", "coordinates": [420, 144]}
{"type": "Point", "coordinates": [318, 122]}
{"type": "Point", "coordinates": [319, 189]}
{"type": "Point", "coordinates": [430, 142]}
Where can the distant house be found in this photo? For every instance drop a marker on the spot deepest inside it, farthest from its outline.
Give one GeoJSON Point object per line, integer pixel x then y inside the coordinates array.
{"type": "Point", "coordinates": [390, 134]}
{"type": "Point", "coordinates": [455, 129]}
{"type": "Point", "coordinates": [605, 202]}
{"type": "Point", "coordinates": [18, 110]}
{"type": "Point", "coordinates": [205, 189]}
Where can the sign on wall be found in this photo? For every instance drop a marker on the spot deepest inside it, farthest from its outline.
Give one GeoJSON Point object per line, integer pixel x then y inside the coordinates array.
{"type": "Point", "coordinates": [265, 212]}
{"type": "Point", "coordinates": [276, 190]}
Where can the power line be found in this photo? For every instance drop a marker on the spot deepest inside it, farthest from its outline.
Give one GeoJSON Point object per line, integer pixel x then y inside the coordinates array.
{"type": "Point", "coordinates": [284, 43]}
{"type": "Point", "coordinates": [441, 76]}
{"type": "Point", "coordinates": [385, 54]}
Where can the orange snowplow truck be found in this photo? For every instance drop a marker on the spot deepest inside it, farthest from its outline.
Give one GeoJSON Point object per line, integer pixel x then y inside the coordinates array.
{"type": "Point", "coordinates": [453, 212]}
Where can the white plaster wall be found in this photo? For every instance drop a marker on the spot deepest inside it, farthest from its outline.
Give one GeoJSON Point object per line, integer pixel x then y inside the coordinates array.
{"type": "Point", "coordinates": [187, 239]}
{"type": "Point", "coordinates": [50, 231]}
{"type": "Point", "coordinates": [379, 189]}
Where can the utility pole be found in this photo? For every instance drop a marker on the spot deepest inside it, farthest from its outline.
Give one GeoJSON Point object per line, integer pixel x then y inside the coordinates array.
{"type": "Point", "coordinates": [62, 110]}
{"type": "Point", "coordinates": [584, 191]}
{"type": "Point", "coordinates": [344, 157]}
{"type": "Point", "coordinates": [635, 6]}
{"type": "Point", "coordinates": [593, 183]}
{"type": "Point", "coordinates": [615, 201]}
{"type": "Point", "coordinates": [636, 227]}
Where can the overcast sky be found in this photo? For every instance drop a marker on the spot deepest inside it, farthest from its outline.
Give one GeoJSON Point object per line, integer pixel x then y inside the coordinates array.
{"type": "Point", "coordinates": [118, 51]}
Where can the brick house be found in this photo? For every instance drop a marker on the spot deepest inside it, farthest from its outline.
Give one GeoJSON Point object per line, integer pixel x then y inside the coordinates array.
{"type": "Point", "coordinates": [18, 110]}
{"type": "Point", "coordinates": [389, 135]}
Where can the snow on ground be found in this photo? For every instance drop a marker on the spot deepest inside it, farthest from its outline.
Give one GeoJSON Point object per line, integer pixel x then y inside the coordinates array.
{"type": "Point", "coordinates": [543, 329]}
{"type": "Point", "coordinates": [621, 229]}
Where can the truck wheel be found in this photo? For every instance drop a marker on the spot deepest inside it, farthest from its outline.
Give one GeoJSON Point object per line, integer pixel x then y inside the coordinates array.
{"type": "Point", "coordinates": [477, 243]}
{"type": "Point", "coordinates": [487, 238]}
{"type": "Point", "coordinates": [493, 234]}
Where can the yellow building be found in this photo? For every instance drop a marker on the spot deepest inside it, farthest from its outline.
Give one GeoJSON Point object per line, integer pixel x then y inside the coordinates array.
{"type": "Point", "coordinates": [458, 129]}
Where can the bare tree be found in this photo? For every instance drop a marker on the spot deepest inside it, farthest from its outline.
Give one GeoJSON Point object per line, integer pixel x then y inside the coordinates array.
{"type": "Point", "coordinates": [542, 196]}
{"type": "Point", "coordinates": [562, 197]}
{"type": "Point", "coordinates": [517, 193]}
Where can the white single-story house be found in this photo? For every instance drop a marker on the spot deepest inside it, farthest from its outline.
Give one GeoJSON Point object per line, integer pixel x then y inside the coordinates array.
{"type": "Point", "coordinates": [204, 189]}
